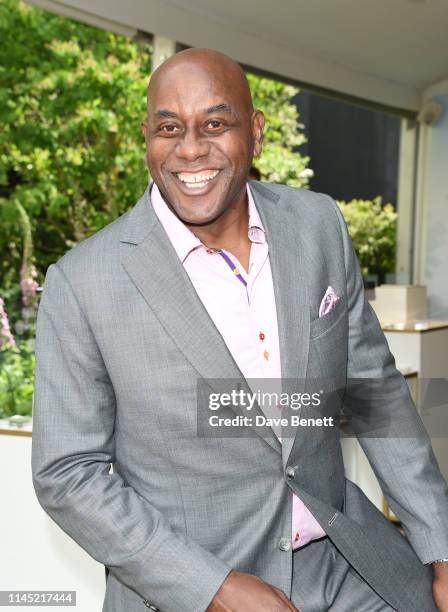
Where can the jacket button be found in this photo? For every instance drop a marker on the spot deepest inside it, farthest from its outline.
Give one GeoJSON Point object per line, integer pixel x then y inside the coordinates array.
{"type": "Point", "coordinates": [284, 544]}
{"type": "Point", "coordinates": [290, 472]}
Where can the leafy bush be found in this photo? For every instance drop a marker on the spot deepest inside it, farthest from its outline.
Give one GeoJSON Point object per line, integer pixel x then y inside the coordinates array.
{"type": "Point", "coordinates": [279, 162]}
{"type": "Point", "coordinates": [71, 154]}
{"type": "Point", "coordinates": [16, 364]}
{"type": "Point", "coordinates": [372, 227]}
{"type": "Point", "coordinates": [16, 379]}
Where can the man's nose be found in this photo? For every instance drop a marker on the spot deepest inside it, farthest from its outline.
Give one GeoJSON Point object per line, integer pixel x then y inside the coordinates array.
{"type": "Point", "coordinates": [192, 145]}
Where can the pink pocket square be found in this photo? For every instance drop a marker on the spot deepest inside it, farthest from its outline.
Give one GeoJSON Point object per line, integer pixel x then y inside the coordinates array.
{"type": "Point", "coordinates": [329, 301]}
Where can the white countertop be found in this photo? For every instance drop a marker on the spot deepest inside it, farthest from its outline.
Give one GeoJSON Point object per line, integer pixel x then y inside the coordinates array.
{"type": "Point", "coordinates": [13, 430]}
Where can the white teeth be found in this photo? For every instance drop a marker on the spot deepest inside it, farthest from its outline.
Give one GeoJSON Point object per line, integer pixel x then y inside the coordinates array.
{"type": "Point", "coordinates": [197, 180]}
{"type": "Point", "coordinates": [196, 185]}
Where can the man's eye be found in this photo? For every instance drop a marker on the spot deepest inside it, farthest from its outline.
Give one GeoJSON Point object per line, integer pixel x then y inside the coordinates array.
{"type": "Point", "coordinates": [170, 128]}
{"type": "Point", "coordinates": [214, 124]}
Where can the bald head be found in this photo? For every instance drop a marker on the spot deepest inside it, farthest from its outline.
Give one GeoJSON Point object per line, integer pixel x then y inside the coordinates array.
{"type": "Point", "coordinates": [201, 134]}
{"type": "Point", "coordinates": [215, 65]}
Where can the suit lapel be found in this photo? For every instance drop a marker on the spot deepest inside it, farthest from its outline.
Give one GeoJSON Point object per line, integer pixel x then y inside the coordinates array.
{"type": "Point", "coordinates": [287, 253]}
{"type": "Point", "coordinates": [153, 265]}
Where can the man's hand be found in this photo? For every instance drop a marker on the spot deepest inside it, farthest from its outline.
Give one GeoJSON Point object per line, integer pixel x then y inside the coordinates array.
{"type": "Point", "coordinates": [440, 585]}
{"type": "Point", "coordinates": [242, 592]}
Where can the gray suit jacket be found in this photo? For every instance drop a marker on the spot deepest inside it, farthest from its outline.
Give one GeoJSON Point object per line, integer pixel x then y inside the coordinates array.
{"type": "Point", "coordinates": [122, 339]}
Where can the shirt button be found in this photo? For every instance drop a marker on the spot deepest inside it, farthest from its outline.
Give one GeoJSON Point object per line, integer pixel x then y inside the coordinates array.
{"type": "Point", "coordinates": [284, 544]}
{"type": "Point", "coordinates": [290, 472]}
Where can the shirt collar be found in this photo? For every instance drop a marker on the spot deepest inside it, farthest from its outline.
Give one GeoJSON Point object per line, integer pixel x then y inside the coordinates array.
{"type": "Point", "coordinates": [183, 239]}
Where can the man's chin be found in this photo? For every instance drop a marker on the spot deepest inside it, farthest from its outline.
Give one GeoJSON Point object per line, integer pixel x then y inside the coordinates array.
{"type": "Point", "coordinates": [193, 209]}
{"type": "Point", "coordinates": [195, 217]}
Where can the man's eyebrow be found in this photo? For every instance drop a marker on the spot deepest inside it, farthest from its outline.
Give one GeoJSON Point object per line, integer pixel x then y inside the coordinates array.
{"type": "Point", "coordinates": [163, 112]}
{"type": "Point", "coordinates": [220, 107]}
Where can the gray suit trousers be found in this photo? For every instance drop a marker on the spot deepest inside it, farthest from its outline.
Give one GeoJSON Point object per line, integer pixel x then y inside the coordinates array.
{"type": "Point", "coordinates": [323, 580]}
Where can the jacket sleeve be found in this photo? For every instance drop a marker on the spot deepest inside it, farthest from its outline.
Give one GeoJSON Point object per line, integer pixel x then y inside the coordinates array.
{"type": "Point", "coordinates": [72, 449]}
{"type": "Point", "coordinates": [396, 442]}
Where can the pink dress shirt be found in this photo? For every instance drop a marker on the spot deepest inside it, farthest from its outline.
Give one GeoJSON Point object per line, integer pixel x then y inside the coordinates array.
{"type": "Point", "coordinates": [245, 316]}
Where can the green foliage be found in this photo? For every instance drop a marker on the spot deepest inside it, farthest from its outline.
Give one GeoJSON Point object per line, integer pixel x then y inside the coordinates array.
{"type": "Point", "coordinates": [372, 228]}
{"type": "Point", "coordinates": [16, 379]}
{"type": "Point", "coordinates": [71, 101]}
{"type": "Point", "coordinates": [280, 162]}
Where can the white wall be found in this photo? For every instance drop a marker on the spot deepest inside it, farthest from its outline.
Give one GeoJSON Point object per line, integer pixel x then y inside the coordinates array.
{"type": "Point", "coordinates": [436, 268]}
{"type": "Point", "coordinates": [35, 554]}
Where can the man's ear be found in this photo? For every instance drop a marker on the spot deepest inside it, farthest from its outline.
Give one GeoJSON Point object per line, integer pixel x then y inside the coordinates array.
{"type": "Point", "coordinates": [257, 129]}
{"type": "Point", "coordinates": [144, 127]}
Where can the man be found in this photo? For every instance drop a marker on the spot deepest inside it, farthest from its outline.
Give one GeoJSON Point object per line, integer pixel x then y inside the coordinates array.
{"type": "Point", "coordinates": [210, 279]}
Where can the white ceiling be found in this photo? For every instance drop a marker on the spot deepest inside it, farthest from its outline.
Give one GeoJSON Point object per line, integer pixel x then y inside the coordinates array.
{"type": "Point", "coordinates": [385, 51]}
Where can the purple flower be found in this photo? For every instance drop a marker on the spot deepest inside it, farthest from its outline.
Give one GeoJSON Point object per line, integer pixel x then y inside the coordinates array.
{"type": "Point", "coordinates": [6, 336]}
{"type": "Point", "coordinates": [28, 285]}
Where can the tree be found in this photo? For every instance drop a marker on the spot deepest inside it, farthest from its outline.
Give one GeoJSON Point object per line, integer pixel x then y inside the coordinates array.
{"type": "Point", "coordinates": [71, 101]}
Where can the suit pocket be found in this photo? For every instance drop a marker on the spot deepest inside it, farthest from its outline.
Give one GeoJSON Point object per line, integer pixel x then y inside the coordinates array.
{"type": "Point", "coordinates": [321, 325]}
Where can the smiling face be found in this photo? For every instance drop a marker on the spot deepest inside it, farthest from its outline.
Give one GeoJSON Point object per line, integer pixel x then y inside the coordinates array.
{"type": "Point", "coordinates": [201, 134]}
